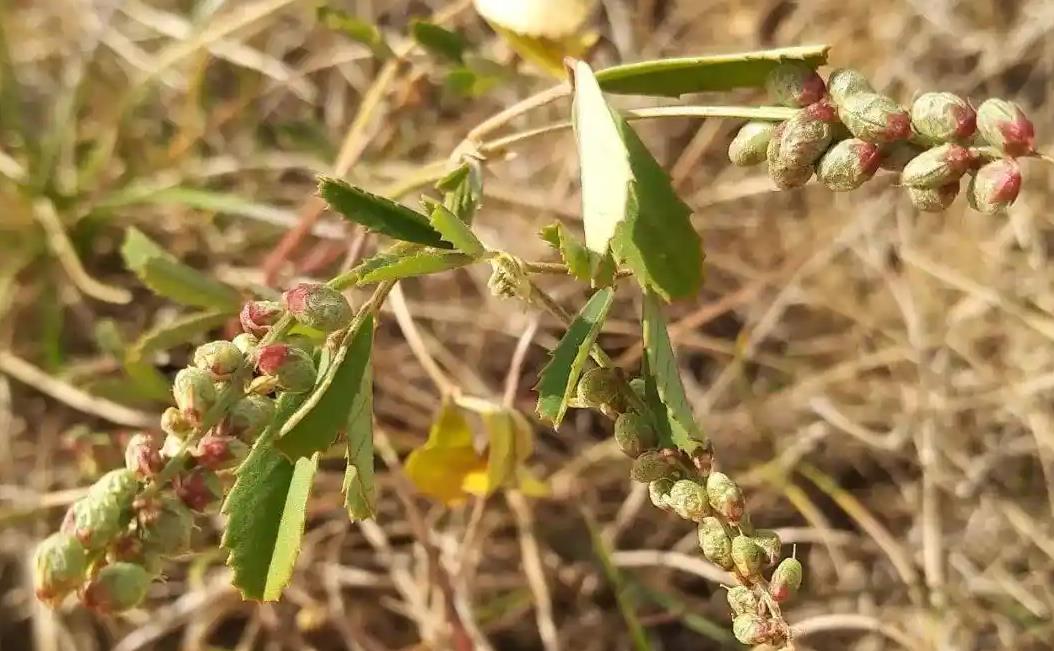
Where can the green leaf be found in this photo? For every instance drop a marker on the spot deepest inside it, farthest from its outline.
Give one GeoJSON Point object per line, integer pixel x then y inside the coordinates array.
{"type": "Point", "coordinates": [267, 510]}
{"type": "Point", "coordinates": [356, 29]}
{"type": "Point", "coordinates": [576, 256]}
{"type": "Point", "coordinates": [168, 277]}
{"type": "Point", "coordinates": [472, 82]}
{"type": "Point", "coordinates": [378, 213]}
{"type": "Point", "coordinates": [463, 189]}
{"type": "Point", "coordinates": [360, 495]}
{"type": "Point", "coordinates": [439, 41]}
{"type": "Point", "coordinates": [662, 367]}
{"type": "Point", "coordinates": [317, 422]}
{"type": "Point", "coordinates": [386, 266]}
{"type": "Point", "coordinates": [673, 77]}
{"type": "Point", "coordinates": [559, 378]}
{"type": "Point", "coordinates": [455, 231]}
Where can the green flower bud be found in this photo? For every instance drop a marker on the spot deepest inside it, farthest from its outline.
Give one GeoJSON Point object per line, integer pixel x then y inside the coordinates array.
{"type": "Point", "coordinates": [94, 521]}
{"type": "Point", "coordinates": [198, 489]}
{"type": "Point", "coordinates": [652, 465]}
{"type": "Point", "coordinates": [194, 392]}
{"type": "Point", "coordinates": [934, 199]}
{"type": "Point", "coordinates": [118, 486]}
{"type": "Point", "coordinates": [843, 82]}
{"type": "Point", "coordinates": [175, 423]}
{"type": "Point", "coordinates": [318, 306]}
{"type": "Point", "coordinates": [725, 496]}
{"type": "Point", "coordinates": [943, 117]}
{"type": "Point", "coordinates": [794, 84]}
{"type": "Point", "coordinates": [218, 452]}
{"type": "Point", "coordinates": [248, 417]}
{"type": "Point", "coordinates": [715, 543]}
{"type": "Point", "coordinates": [1004, 125]}
{"type": "Point", "coordinates": [995, 186]}
{"type": "Point", "coordinates": [848, 164]}
{"type": "Point", "coordinates": [167, 530]}
{"type": "Point", "coordinates": [116, 588]}
{"type": "Point", "coordinates": [896, 155]}
{"type": "Point", "coordinates": [750, 628]}
{"type": "Point", "coordinates": [291, 367]}
{"type": "Point", "coordinates": [602, 387]}
{"type": "Point", "coordinates": [689, 501]}
{"type": "Point", "coordinates": [742, 600]}
{"type": "Point", "coordinates": [245, 342]}
{"type": "Point", "coordinates": [634, 435]}
{"type": "Point", "coordinates": [508, 279]}
{"type": "Point", "coordinates": [659, 492]}
{"type": "Point", "coordinates": [770, 543]}
{"type": "Point", "coordinates": [257, 317]}
{"type": "Point", "coordinates": [59, 566]}
{"type": "Point", "coordinates": [786, 579]}
{"type": "Point", "coordinates": [219, 358]}
{"type": "Point", "coordinates": [874, 118]}
{"type": "Point", "coordinates": [142, 455]}
{"type": "Point", "coordinates": [784, 175]}
{"type": "Point", "coordinates": [750, 145]}
{"type": "Point", "coordinates": [938, 166]}
{"type": "Point", "coordinates": [747, 556]}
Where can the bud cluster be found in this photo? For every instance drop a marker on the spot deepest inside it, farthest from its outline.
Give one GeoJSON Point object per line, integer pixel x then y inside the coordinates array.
{"type": "Point", "coordinates": [844, 131]}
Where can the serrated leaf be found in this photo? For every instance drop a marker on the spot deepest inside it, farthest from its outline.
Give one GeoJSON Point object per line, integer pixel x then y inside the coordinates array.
{"type": "Point", "coordinates": [266, 511]}
{"type": "Point", "coordinates": [456, 231]}
{"type": "Point", "coordinates": [386, 266]}
{"type": "Point", "coordinates": [168, 277]}
{"type": "Point", "coordinates": [559, 378]}
{"type": "Point", "coordinates": [379, 214]}
{"type": "Point", "coordinates": [356, 29]}
{"type": "Point", "coordinates": [674, 77]}
{"type": "Point", "coordinates": [316, 424]}
{"type": "Point", "coordinates": [360, 494]}
{"type": "Point", "coordinates": [662, 367]}
{"type": "Point", "coordinates": [577, 257]}
{"type": "Point", "coordinates": [438, 40]}
{"type": "Point", "coordinates": [463, 189]}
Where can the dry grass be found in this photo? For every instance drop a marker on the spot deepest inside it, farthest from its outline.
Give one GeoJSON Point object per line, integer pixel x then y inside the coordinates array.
{"type": "Point", "coordinates": [876, 377]}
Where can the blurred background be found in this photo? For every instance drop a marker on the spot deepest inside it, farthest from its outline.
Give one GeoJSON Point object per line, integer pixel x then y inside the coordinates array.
{"type": "Point", "coordinates": [877, 379]}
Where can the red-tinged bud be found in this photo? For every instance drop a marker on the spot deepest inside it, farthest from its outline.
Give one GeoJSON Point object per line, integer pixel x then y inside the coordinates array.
{"type": "Point", "coordinates": [220, 358]}
{"type": "Point", "coordinates": [1004, 125]}
{"type": "Point", "coordinates": [318, 306]}
{"type": "Point", "coordinates": [875, 118]}
{"type": "Point", "coordinates": [794, 84]}
{"type": "Point", "coordinates": [995, 186]}
{"type": "Point", "coordinates": [95, 522]}
{"type": "Point", "coordinates": [219, 452]}
{"type": "Point", "coordinates": [142, 455]}
{"type": "Point", "coordinates": [750, 628]}
{"type": "Point", "coordinates": [934, 199]}
{"type": "Point", "coordinates": [936, 167]}
{"type": "Point", "coordinates": [248, 417]}
{"type": "Point", "coordinates": [195, 393]}
{"type": "Point", "coordinates": [742, 600]}
{"type": "Point", "coordinates": [725, 496]}
{"type": "Point", "coordinates": [848, 164]}
{"type": "Point", "coordinates": [257, 317]}
{"type": "Point", "coordinates": [843, 82]}
{"type": "Point", "coordinates": [116, 588]}
{"type": "Point", "coordinates": [823, 110]}
{"type": "Point", "coordinates": [291, 367]}
{"type": "Point", "coordinates": [60, 564]}
{"type": "Point", "coordinates": [943, 117]}
{"type": "Point", "coordinates": [198, 489]}
{"type": "Point", "coordinates": [715, 543]}
{"type": "Point", "coordinates": [751, 143]}
{"type": "Point", "coordinates": [786, 579]}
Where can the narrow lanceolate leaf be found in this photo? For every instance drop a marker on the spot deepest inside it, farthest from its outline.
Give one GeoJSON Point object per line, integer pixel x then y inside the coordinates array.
{"type": "Point", "coordinates": [559, 378]}
{"type": "Point", "coordinates": [438, 40]}
{"type": "Point", "coordinates": [673, 77]}
{"type": "Point", "coordinates": [379, 214]}
{"type": "Point", "coordinates": [396, 267]}
{"type": "Point", "coordinates": [266, 510]}
{"type": "Point", "coordinates": [166, 276]}
{"type": "Point", "coordinates": [662, 368]}
{"type": "Point", "coordinates": [356, 29]}
{"type": "Point", "coordinates": [456, 231]}
{"type": "Point", "coordinates": [463, 189]}
{"type": "Point", "coordinates": [316, 424]}
{"type": "Point", "coordinates": [360, 495]}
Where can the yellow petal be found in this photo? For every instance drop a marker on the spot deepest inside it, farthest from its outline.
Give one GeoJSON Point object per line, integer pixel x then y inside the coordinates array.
{"type": "Point", "coordinates": [440, 472]}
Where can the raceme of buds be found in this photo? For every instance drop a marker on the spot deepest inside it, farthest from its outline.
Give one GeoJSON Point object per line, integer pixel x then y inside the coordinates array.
{"type": "Point", "coordinates": [292, 368]}
{"type": "Point", "coordinates": [1004, 125]}
{"type": "Point", "coordinates": [715, 543]}
{"type": "Point", "coordinates": [770, 543]}
{"type": "Point", "coordinates": [220, 358]}
{"type": "Point", "coordinates": [938, 166]}
{"type": "Point", "coordinates": [94, 521]}
{"type": "Point", "coordinates": [995, 186]}
{"type": "Point", "coordinates": [934, 199]}
{"type": "Point", "coordinates": [843, 82]}
{"type": "Point", "coordinates": [245, 342]}
{"type": "Point", "coordinates": [725, 496]}
{"type": "Point", "coordinates": [750, 628]}
{"type": "Point", "coordinates": [248, 417]}
{"type": "Point", "coordinates": [742, 600]}
{"type": "Point", "coordinates": [142, 455]}
{"type": "Point", "coordinates": [194, 392]}
{"type": "Point", "coordinates": [59, 566]}
{"type": "Point", "coordinates": [601, 387]}
{"type": "Point", "coordinates": [848, 164]}
{"type": "Point", "coordinates": [747, 556]}
{"type": "Point", "coordinates": [168, 529]}
{"type": "Point", "coordinates": [257, 317]}
{"type": "Point", "coordinates": [633, 434]}
{"type": "Point", "coordinates": [786, 579]}
{"type": "Point", "coordinates": [874, 118]}
{"type": "Point", "coordinates": [218, 452]}
{"type": "Point", "coordinates": [943, 117]}
{"type": "Point", "coordinates": [751, 143]}
{"type": "Point", "coordinates": [652, 465]}
{"type": "Point", "coordinates": [318, 306]}
{"type": "Point", "coordinates": [689, 501]}
{"type": "Point", "coordinates": [659, 492]}
{"type": "Point", "coordinates": [896, 155]}
{"type": "Point", "coordinates": [783, 174]}
{"type": "Point", "coordinates": [175, 423]}
{"type": "Point", "coordinates": [116, 588]}
{"type": "Point", "coordinates": [794, 84]}
{"type": "Point", "coordinates": [198, 489]}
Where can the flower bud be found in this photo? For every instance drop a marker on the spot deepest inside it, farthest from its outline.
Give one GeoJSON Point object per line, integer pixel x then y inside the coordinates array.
{"type": "Point", "coordinates": [934, 199]}
{"type": "Point", "coordinates": [118, 486]}
{"type": "Point", "coordinates": [257, 317]}
{"type": "Point", "coordinates": [245, 342]}
{"type": "Point", "coordinates": [217, 452]}
{"type": "Point", "coordinates": [715, 543]}
{"type": "Point", "coordinates": [995, 186]}
{"type": "Point", "coordinates": [848, 164]}
{"type": "Point", "coordinates": [725, 497]}
{"type": "Point", "coordinates": [826, 111]}
{"type": "Point", "coordinates": [938, 166]}
{"type": "Point", "coordinates": [751, 143]}
{"type": "Point", "coordinates": [291, 367]}
{"type": "Point", "coordinates": [634, 435]}
{"type": "Point", "coordinates": [318, 306]}
{"type": "Point", "coordinates": [843, 82]}
{"type": "Point", "coordinates": [142, 455]}
{"type": "Point", "coordinates": [175, 423]}
{"type": "Point", "coordinates": [742, 600]}
{"type": "Point", "coordinates": [784, 176]}
{"type": "Point", "coordinates": [1004, 125]}
{"type": "Point", "coordinates": [198, 489]}
{"type": "Point", "coordinates": [874, 118]}
{"type": "Point", "coordinates": [194, 392]}
{"type": "Point", "coordinates": [248, 417]}
{"type": "Point", "coordinates": [219, 358]}
{"type": "Point", "coordinates": [943, 117]}
{"type": "Point", "coordinates": [794, 84]}
{"type": "Point", "coordinates": [750, 628]}
{"type": "Point", "coordinates": [116, 588]}
{"type": "Point", "coordinates": [896, 155]}
{"type": "Point", "coordinates": [652, 465]}
{"type": "Point", "coordinates": [770, 543]}
{"type": "Point", "coordinates": [59, 566]}
{"type": "Point", "coordinates": [171, 446]}
{"type": "Point", "coordinates": [601, 387]}
{"type": "Point", "coordinates": [786, 579]}
{"type": "Point", "coordinates": [94, 521]}
{"type": "Point", "coordinates": [804, 139]}
{"type": "Point", "coordinates": [638, 386]}
{"type": "Point", "coordinates": [508, 279]}
{"type": "Point", "coordinates": [168, 528]}
{"type": "Point", "coordinates": [689, 501]}
{"type": "Point", "coordinates": [659, 492]}
{"type": "Point", "coordinates": [747, 556]}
